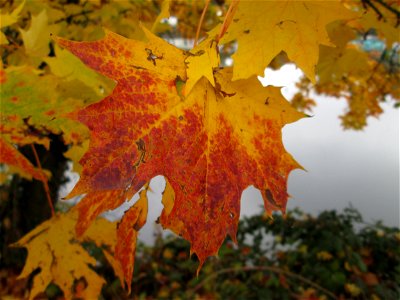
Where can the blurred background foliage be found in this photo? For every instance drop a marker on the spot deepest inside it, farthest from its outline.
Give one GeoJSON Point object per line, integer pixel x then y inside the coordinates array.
{"type": "Point", "coordinates": [299, 256]}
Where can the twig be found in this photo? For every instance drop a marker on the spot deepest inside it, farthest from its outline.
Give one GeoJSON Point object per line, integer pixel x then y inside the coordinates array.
{"type": "Point", "coordinates": [393, 10]}
{"type": "Point", "coordinates": [378, 12]}
{"type": "Point", "coordinates": [44, 181]}
{"type": "Point", "coordinates": [263, 268]}
{"type": "Point", "coordinates": [228, 19]}
{"type": "Point", "coordinates": [201, 22]}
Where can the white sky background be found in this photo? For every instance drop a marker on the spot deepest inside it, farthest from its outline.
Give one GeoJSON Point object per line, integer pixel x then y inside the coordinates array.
{"type": "Point", "coordinates": [343, 166]}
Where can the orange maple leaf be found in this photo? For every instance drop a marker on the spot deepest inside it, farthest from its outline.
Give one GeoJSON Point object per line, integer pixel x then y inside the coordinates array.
{"type": "Point", "coordinates": [11, 156]}
{"type": "Point", "coordinates": [210, 144]}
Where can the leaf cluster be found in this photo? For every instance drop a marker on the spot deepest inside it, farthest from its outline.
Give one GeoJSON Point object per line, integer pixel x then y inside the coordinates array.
{"type": "Point", "coordinates": [148, 108]}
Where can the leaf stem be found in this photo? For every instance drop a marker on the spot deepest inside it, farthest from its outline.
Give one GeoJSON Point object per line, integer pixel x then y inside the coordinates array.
{"type": "Point", "coordinates": [228, 19]}
{"type": "Point", "coordinates": [44, 181]}
{"type": "Point", "coordinates": [201, 22]}
{"type": "Point", "coordinates": [263, 268]}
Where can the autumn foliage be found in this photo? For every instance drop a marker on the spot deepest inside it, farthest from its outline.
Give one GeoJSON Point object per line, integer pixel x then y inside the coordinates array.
{"type": "Point", "coordinates": [131, 106]}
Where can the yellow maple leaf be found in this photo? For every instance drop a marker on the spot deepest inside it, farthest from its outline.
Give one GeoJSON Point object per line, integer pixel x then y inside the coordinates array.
{"type": "Point", "coordinates": [265, 28]}
{"type": "Point", "coordinates": [75, 153]}
{"type": "Point", "coordinates": [335, 63]}
{"type": "Point", "coordinates": [37, 37]}
{"type": "Point", "coordinates": [324, 255]}
{"type": "Point", "coordinates": [340, 33]}
{"type": "Point", "coordinates": [352, 289]}
{"type": "Point", "coordinates": [164, 14]}
{"type": "Point", "coordinates": [385, 26]}
{"type": "Point", "coordinates": [9, 19]}
{"type": "Point", "coordinates": [344, 60]}
{"type": "Point", "coordinates": [53, 247]}
{"type": "Point", "coordinates": [200, 62]}
{"type": "Point", "coordinates": [69, 67]}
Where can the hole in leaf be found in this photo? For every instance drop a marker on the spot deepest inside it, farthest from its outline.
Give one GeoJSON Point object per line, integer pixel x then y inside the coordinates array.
{"type": "Point", "coordinates": [151, 56]}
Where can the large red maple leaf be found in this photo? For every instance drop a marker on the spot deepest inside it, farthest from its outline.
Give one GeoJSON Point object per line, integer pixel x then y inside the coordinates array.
{"type": "Point", "coordinates": [210, 144]}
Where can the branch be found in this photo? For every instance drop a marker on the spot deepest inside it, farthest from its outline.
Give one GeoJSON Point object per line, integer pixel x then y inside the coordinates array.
{"type": "Point", "coordinates": [263, 268]}
{"type": "Point", "coordinates": [388, 7]}
{"type": "Point", "coordinates": [369, 3]}
{"type": "Point", "coordinates": [228, 19]}
{"type": "Point", "coordinates": [44, 181]}
{"type": "Point", "coordinates": [201, 22]}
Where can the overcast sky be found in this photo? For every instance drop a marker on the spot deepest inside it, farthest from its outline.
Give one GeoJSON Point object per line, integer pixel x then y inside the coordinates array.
{"type": "Point", "coordinates": [343, 166]}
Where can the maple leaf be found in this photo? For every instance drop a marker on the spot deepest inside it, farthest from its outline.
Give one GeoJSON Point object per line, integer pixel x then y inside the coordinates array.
{"type": "Point", "coordinates": [201, 62]}
{"type": "Point", "coordinates": [53, 247]}
{"type": "Point", "coordinates": [9, 19]}
{"type": "Point", "coordinates": [12, 157]}
{"type": "Point", "coordinates": [36, 38]}
{"type": "Point", "coordinates": [341, 61]}
{"type": "Point", "coordinates": [127, 234]}
{"type": "Point", "coordinates": [30, 99]}
{"type": "Point", "coordinates": [164, 14]}
{"type": "Point", "coordinates": [69, 68]}
{"type": "Point", "coordinates": [335, 63]}
{"type": "Point", "coordinates": [33, 104]}
{"type": "Point", "coordinates": [210, 145]}
{"type": "Point", "coordinates": [347, 71]}
{"type": "Point", "coordinates": [385, 24]}
{"type": "Point", "coordinates": [143, 94]}
{"type": "Point", "coordinates": [265, 28]}
{"type": "Point", "coordinates": [13, 126]}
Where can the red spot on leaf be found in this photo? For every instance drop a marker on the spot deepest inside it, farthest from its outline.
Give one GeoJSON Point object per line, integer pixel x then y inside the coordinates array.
{"type": "Point", "coordinates": [50, 113]}
{"type": "Point", "coordinates": [3, 76]}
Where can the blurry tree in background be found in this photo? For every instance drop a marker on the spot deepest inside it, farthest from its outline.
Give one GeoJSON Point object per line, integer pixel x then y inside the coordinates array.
{"type": "Point", "coordinates": [361, 64]}
{"type": "Point", "coordinates": [296, 257]}
{"type": "Point", "coordinates": [329, 256]}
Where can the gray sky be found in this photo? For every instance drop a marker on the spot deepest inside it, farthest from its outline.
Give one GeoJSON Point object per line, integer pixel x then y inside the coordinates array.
{"type": "Point", "coordinates": [344, 166]}
{"type": "Point", "coordinates": [361, 168]}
